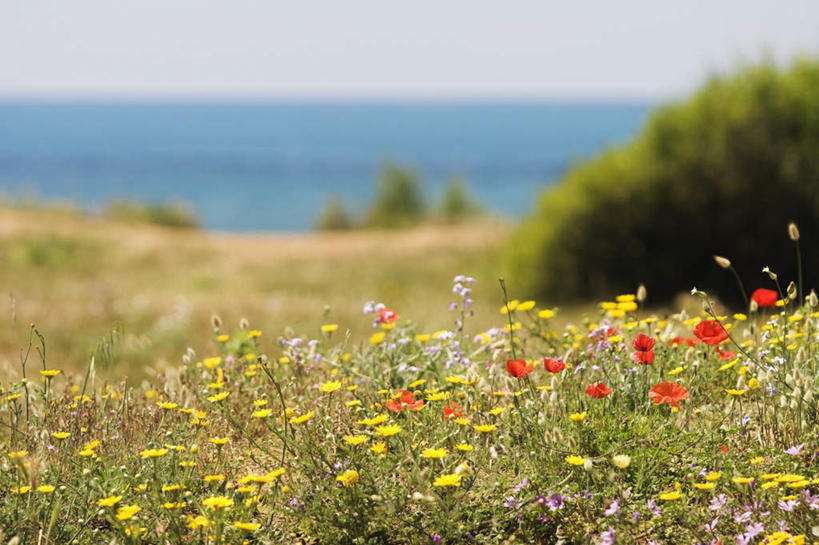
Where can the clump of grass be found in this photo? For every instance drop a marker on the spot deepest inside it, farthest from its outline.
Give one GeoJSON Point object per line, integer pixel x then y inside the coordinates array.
{"type": "Point", "coordinates": [176, 215]}
{"type": "Point", "coordinates": [627, 426]}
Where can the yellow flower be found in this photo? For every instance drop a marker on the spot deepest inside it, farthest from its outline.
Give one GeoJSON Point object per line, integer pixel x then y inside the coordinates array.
{"type": "Point", "coordinates": [110, 501]}
{"type": "Point", "coordinates": [20, 490]}
{"type": "Point", "coordinates": [153, 453]}
{"type": "Point", "coordinates": [757, 460]}
{"type": "Point", "coordinates": [45, 489]}
{"type": "Point", "coordinates": [457, 379]}
{"type": "Point", "coordinates": [348, 478]}
{"type": "Point", "coordinates": [546, 314]}
{"type": "Point", "coordinates": [422, 337]}
{"type": "Point", "coordinates": [509, 307]}
{"type": "Point", "coordinates": [199, 521]}
{"type": "Point", "coordinates": [247, 526]}
{"type": "Point", "coordinates": [434, 453]}
{"type": "Point", "coordinates": [50, 373]}
{"type": "Point", "coordinates": [127, 512]}
{"type": "Point", "coordinates": [575, 460]}
{"type": "Point", "coordinates": [212, 362]}
{"type": "Point", "coordinates": [670, 496]}
{"type": "Point", "coordinates": [438, 396]}
{"type": "Point", "coordinates": [329, 328]}
{"type": "Point", "coordinates": [676, 371]}
{"type": "Point", "coordinates": [377, 338]}
{"type": "Point", "coordinates": [704, 486]}
{"type": "Point", "coordinates": [171, 487]}
{"type": "Point", "coordinates": [261, 413]}
{"type": "Point", "coordinates": [497, 411]}
{"type": "Point", "coordinates": [713, 476]}
{"type": "Point", "coordinates": [259, 402]}
{"type": "Point", "coordinates": [167, 405]}
{"type": "Point", "coordinates": [355, 440]}
{"type": "Point", "coordinates": [485, 428]}
{"type": "Point", "coordinates": [464, 447]}
{"type": "Point", "coordinates": [578, 417]}
{"type": "Point", "coordinates": [223, 338]}
{"type": "Point", "coordinates": [388, 431]}
{"type": "Point", "coordinates": [17, 454]}
{"type": "Point", "coordinates": [379, 448]}
{"type": "Point", "coordinates": [221, 396]}
{"type": "Point", "coordinates": [173, 505]}
{"type": "Point", "coordinates": [219, 441]}
{"type": "Point", "coordinates": [374, 421]}
{"type": "Point", "coordinates": [735, 393]}
{"type": "Point", "coordinates": [452, 479]}
{"type": "Point", "coordinates": [330, 387]}
{"type": "Point", "coordinates": [301, 419]}
{"type": "Point", "coordinates": [742, 480]}
{"type": "Point", "coordinates": [217, 502]}
{"type": "Point", "coordinates": [526, 306]}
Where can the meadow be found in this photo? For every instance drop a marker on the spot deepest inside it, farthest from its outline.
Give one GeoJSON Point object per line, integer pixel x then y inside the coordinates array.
{"type": "Point", "coordinates": [377, 425]}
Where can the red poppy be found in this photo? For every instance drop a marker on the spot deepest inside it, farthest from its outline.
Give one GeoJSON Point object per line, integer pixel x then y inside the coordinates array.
{"type": "Point", "coordinates": [598, 391]}
{"type": "Point", "coordinates": [679, 341]}
{"type": "Point", "coordinates": [386, 316]}
{"type": "Point", "coordinates": [553, 365]}
{"type": "Point", "coordinates": [452, 410]}
{"type": "Point", "coordinates": [643, 343]}
{"type": "Point", "coordinates": [726, 354]}
{"type": "Point", "coordinates": [644, 358]}
{"type": "Point", "coordinates": [724, 449]}
{"type": "Point", "coordinates": [519, 368]}
{"type": "Point", "coordinates": [406, 402]}
{"type": "Point", "coordinates": [764, 297]}
{"type": "Point", "coordinates": [710, 332]}
{"type": "Point", "coordinates": [667, 392]}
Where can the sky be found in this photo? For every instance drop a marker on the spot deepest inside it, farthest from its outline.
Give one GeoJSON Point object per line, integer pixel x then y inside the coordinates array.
{"type": "Point", "coordinates": [379, 48]}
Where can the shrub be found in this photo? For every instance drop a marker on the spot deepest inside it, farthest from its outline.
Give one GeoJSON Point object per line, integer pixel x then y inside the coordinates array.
{"type": "Point", "coordinates": [334, 217]}
{"type": "Point", "coordinates": [457, 203]}
{"type": "Point", "coordinates": [400, 201]}
{"type": "Point", "coordinates": [720, 173]}
{"type": "Point", "coordinates": [177, 215]}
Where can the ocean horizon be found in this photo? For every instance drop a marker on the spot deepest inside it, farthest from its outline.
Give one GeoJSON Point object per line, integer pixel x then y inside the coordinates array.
{"type": "Point", "coordinates": [271, 166]}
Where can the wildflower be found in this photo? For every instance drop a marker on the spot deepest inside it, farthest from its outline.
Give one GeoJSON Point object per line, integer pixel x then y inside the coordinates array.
{"type": "Point", "coordinates": [452, 410]}
{"type": "Point", "coordinates": [386, 316]}
{"type": "Point", "coordinates": [17, 454]}
{"type": "Point", "coordinates": [612, 509]}
{"type": "Point", "coordinates": [449, 480]}
{"type": "Point", "coordinates": [355, 440]}
{"type": "Point", "coordinates": [45, 489]}
{"type": "Point", "coordinates": [713, 476]}
{"type": "Point", "coordinates": [247, 526]}
{"type": "Point", "coordinates": [485, 428]}
{"type": "Point", "coordinates": [575, 460]}
{"type": "Point", "coordinates": [598, 391]}
{"type": "Point", "coordinates": [110, 501]}
{"type": "Point", "coordinates": [519, 368]}
{"type": "Point", "coordinates": [670, 496]}
{"type": "Point", "coordinates": [49, 373]}
{"type": "Point", "coordinates": [667, 392]}
{"type": "Point", "coordinates": [388, 430]}
{"type": "Point", "coordinates": [379, 448]}
{"type": "Point", "coordinates": [296, 420]}
{"type": "Point", "coordinates": [406, 401]}
{"type": "Point", "coordinates": [330, 387]}
{"type": "Point", "coordinates": [127, 512]}
{"type": "Point", "coordinates": [374, 421]}
{"type": "Point", "coordinates": [199, 521]}
{"type": "Point", "coordinates": [795, 450]}
{"type": "Point", "coordinates": [434, 453]}
{"type": "Point", "coordinates": [704, 486]}
{"type": "Point", "coordinates": [742, 480]}
{"type": "Point", "coordinates": [216, 398]}
{"type": "Point", "coordinates": [464, 447]}
{"type": "Point", "coordinates": [329, 328]}
{"type": "Point", "coordinates": [578, 417]}
{"type": "Point", "coordinates": [261, 413]}
{"type": "Point", "coordinates": [217, 502]}
{"type": "Point", "coordinates": [553, 365]}
{"type": "Point", "coordinates": [153, 453]}
{"type": "Point", "coordinates": [348, 478]}
{"type": "Point", "coordinates": [167, 405]}
{"type": "Point", "coordinates": [764, 298]}
{"type": "Point", "coordinates": [733, 392]}
{"type": "Point", "coordinates": [20, 490]}
{"type": "Point", "coordinates": [643, 349]}
{"type": "Point", "coordinates": [710, 332]}
{"type": "Point", "coordinates": [621, 461]}
{"type": "Point", "coordinates": [377, 338]}
{"type": "Point", "coordinates": [219, 441]}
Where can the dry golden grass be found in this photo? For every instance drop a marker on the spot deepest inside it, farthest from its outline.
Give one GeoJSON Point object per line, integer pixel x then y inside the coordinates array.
{"type": "Point", "coordinates": [77, 277]}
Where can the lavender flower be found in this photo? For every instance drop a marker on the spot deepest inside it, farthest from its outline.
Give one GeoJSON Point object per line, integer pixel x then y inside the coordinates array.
{"type": "Point", "coordinates": [612, 509]}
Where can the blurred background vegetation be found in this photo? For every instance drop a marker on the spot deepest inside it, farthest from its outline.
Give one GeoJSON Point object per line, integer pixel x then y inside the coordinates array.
{"type": "Point", "coordinates": [722, 172]}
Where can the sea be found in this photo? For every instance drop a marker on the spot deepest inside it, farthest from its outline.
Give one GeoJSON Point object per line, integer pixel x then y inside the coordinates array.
{"type": "Point", "coordinates": [271, 166]}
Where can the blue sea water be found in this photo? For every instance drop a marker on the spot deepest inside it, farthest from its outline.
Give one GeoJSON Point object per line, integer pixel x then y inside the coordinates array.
{"type": "Point", "coordinates": [271, 166]}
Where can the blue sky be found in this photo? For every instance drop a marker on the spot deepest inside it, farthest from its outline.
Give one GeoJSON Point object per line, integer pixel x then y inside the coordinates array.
{"type": "Point", "coordinates": [378, 48]}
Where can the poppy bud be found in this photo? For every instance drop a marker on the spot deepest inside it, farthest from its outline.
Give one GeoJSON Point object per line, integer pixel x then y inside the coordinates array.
{"type": "Point", "coordinates": [793, 232]}
{"type": "Point", "coordinates": [243, 323]}
{"type": "Point", "coordinates": [791, 291]}
{"type": "Point", "coordinates": [754, 306]}
{"type": "Point", "coordinates": [216, 321]}
{"type": "Point", "coordinates": [812, 299]}
{"type": "Point", "coordinates": [723, 262]}
{"type": "Point", "coordinates": [641, 293]}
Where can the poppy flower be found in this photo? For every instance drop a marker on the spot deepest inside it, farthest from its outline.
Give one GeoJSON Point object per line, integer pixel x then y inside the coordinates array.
{"type": "Point", "coordinates": [667, 392]}
{"type": "Point", "coordinates": [553, 365]}
{"type": "Point", "coordinates": [386, 316]}
{"type": "Point", "coordinates": [726, 354]}
{"type": "Point", "coordinates": [710, 332]}
{"type": "Point", "coordinates": [406, 402]}
{"type": "Point", "coordinates": [519, 368]}
{"type": "Point", "coordinates": [598, 391]}
{"type": "Point", "coordinates": [452, 410]}
{"type": "Point", "coordinates": [644, 358]}
{"type": "Point", "coordinates": [679, 341]}
{"type": "Point", "coordinates": [764, 297]}
{"type": "Point", "coordinates": [643, 343]}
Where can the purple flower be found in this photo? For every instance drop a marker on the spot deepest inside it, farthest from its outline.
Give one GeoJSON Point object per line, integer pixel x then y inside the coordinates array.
{"type": "Point", "coordinates": [795, 450]}
{"type": "Point", "coordinates": [612, 509]}
{"type": "Point", "coordinates": [812, 501]}
{"type": "Point", "coordinates": [608, 537]}
{"type": "Point", "coordinates": [436, 538]}
{"type": "Point", "coordinates": [653, 507]}
{"type": "Point", "coordinates": [521, 485]}
{"type": "Point", "coordinates": [510, 502]}
{"type": "Point", "coordinates": [555, 502]}
{"type": "Point", "coordinates": [711, 526]}
{"type": "Point", "coordinates": [718, 502]}
{"type": "Point", "coordinates": [788, 505]}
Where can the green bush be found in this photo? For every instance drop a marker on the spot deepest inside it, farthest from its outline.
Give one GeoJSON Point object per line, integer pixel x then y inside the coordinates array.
{"type": "Point", "coordinates": [457, 204]}
{"type": "Point", "coordinates": [165, 214]}
{"type": "Point", "coordinates": [334, 216]}
{"type": "Point", "coordinates": [722, 172]}
{"type": "Point", "coordinates": [399, 201]}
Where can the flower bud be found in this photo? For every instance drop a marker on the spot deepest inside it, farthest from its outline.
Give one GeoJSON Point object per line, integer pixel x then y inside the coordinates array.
{"type": "Point", "coordinates": [770, 273]}
{"type": "Point", "coordinates": [723, 262]}
{"type": "Point", "coordinates": [642, 293]}
{"type": "Point", "coordinates": [754, 306]}
{"type": "Point", "coordinates": [791, 291]}
{"type": "Point", "coordinates": [793, 231]}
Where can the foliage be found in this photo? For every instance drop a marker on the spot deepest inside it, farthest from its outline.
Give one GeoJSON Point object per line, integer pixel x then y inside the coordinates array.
{"type": "Point", "coordinates": [334, 216]}
{"type": "Point", "coordinates": [457, 203]}
{"type": "Point", "coordinates": [615, 428]}
{"type": "Point", "coordinates": [399, 201]}
{"type": "Point", "coordinates": [176, 215]}
{"type": "Point", "coordinates": [719, 173]}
